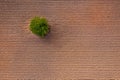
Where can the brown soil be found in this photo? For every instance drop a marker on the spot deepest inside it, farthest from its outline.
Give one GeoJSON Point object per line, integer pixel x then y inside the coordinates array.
{"type": "Point", "coordinates": [84, 42]}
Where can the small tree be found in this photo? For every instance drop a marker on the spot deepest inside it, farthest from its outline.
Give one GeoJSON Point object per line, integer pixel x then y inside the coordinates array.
{"type": "Point", "coordinates": [39, 26]}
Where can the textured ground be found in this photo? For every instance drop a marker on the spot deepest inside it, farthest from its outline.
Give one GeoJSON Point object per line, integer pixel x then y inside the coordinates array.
{"type": "Point", "coordinates": [84, 42]}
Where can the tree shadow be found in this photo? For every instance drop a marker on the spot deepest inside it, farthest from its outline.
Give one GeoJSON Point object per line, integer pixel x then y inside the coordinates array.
{"type": "Point", "coordinates": [51, 37]}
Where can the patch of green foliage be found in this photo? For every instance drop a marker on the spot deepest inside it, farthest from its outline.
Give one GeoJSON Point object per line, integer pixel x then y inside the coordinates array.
{"type": "Point", "coordinates": [39, 26]}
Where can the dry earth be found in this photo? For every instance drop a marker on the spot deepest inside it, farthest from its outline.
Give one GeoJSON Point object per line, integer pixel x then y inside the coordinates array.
{"type": "Point", "coordinates": [84, 43]}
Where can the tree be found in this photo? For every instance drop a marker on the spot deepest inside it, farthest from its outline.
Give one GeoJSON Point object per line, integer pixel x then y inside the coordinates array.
{"type": "Point", "coordinates": [39, 26]}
